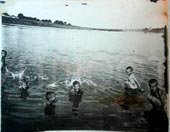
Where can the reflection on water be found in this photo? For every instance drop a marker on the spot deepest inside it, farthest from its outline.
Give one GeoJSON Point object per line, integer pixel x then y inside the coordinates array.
{"type": "Point", "coordinates": [58, 57]}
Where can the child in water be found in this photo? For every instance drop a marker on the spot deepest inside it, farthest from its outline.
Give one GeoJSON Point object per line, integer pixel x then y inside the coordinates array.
{"type": "Point", "coordinates": [156, 96]}
{"type": "Point", "coordinates": [156, 117]}
{"type": "Point", "coordinates": [132, 82]}
{"type": "Point", "coordinates": [23, 87]}
{"type": "Point", "coordinates": [50, 104]}
{"type": "Point", "coordinates": [3, 62]}
{"type": "Point", "coordinates": [75, 96]}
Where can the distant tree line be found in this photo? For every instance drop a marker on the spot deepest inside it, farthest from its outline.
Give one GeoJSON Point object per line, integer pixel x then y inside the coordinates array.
{"type": "Point", "coordinates": [5, 14]}
{"type": "Point", "coordinates": [62, 23]}
{"type": "Point", "coordinates": [21, 16]}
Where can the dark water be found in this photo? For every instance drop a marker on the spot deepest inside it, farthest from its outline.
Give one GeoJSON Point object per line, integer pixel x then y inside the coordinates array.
{"type": "Point", "coordinates": [97, 59]}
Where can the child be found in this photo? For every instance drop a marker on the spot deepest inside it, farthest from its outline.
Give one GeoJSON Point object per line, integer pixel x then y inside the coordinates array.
{"type": "Point", "coordinates": [75, 95]}
{"type": "Point", "coordinates": [23, 87]}
{"type": "Point", "coordinates": [132, 82]}
{"type": "Point", "coordinates": [3, 62]}
{"type": "Point", "coordinates": [156, 117]}
{"type": "Point", "coordinates": [23, 84]}
{"type": "Point", "coordinates": [50, 104]}
{"type": "Point", "coordinates": [157, 96]}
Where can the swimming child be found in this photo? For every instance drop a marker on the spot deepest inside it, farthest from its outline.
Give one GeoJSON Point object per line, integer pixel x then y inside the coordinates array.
{"type": "Point", "coordinates": [3, 61]}
{"type": "Point", "coordinates": [50, 104]}
{"type": "Point", "coordinates": [75, 96]}
{"type": "Point", "coordinates": [23, 84]}
{"type": "Point", "coordinates": [132, 82]}
{"type": "Point", "coordinates": [23, 87]}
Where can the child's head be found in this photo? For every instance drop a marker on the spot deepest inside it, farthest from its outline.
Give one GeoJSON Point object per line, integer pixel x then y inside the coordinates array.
{"type": "Point", "coordinates": [76, 85]}
{"type": "Point", "coordinates": [153, 84]}
{"type": "Point", "coordinates": [23, 84]}
{"type": "Point", "coordinates": [129, 70]}
{"type": "Point", "coordinates": [3, 53]}
{"type": "Point", "coordinates": [50, 96]}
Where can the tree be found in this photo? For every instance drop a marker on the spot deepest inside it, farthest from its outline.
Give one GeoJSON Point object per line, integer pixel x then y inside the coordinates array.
{"type": "Point", "coordinates": [5, 14]}
{"type": "Point", "coordinates": [59, 22]}
{"type": "Point", "coordinates": [45, 20]}
{"type": "Point", "coordinates": [20, 16]}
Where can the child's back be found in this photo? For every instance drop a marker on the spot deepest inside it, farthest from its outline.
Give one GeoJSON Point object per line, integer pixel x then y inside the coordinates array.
{"type": "Point", "coordinates": [132, 82]}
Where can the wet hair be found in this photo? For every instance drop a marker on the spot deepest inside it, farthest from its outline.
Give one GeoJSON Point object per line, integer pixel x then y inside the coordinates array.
{"type": "Point", "coordinates": [151, 81]}
{"type": "Point", "coordinates": [4, 52]}
{"type": "Point", "coordinates": [129, 67]}
{"type": "Point", "coordinates": [76, 82]}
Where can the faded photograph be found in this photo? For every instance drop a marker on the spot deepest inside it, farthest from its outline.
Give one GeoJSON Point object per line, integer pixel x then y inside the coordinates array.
{"type": "Point", "coordinates": [84, 65]}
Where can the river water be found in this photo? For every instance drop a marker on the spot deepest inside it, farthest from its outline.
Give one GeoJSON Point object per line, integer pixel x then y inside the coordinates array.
{"type": "Point", "coordinates": [97, 59]}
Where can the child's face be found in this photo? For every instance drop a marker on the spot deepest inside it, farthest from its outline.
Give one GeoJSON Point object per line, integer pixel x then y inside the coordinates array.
{"type": "Point", "coordinates": [3, 54]}
{"type": "Point", "coordinates": [77, 87]}
{"type": "Point", "coordinates": [153, 87]}
{"type": "Point", "coordinates": [52, 97]}
{"type": "Point", "coordinates": [22, 84]}
{"type": "Point", "coordinates": [128, 71]}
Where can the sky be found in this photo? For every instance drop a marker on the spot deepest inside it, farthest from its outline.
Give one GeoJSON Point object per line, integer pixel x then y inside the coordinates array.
{"type": "Point", "coordinates": [125, 14]}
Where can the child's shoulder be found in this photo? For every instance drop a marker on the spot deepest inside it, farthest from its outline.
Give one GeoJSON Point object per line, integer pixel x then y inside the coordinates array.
{"type": "Point", "coordinates": [80, 90]}
{"type": "Point", "coordinates": [162, 91]}
{"type": "Point", "coordinates": [70, 87]}
{"type": "Point", "coordinates": [132, 75]}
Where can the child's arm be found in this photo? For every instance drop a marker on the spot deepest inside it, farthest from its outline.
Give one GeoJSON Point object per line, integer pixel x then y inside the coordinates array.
{"type": "Point", "coordinates": [154, 100]}
{"type": "Point", "coordinates": [163, 97]}
{"type": "Point", "coordinates": [136, 82]}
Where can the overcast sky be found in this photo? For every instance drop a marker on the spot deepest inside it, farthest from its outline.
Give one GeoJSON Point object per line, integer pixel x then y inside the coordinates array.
{"type": "Point", "coordinates": [97, 13]}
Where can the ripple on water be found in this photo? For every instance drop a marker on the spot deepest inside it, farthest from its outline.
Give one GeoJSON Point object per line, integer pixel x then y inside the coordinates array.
{"type": "Point", "coordinates": [100, 65]}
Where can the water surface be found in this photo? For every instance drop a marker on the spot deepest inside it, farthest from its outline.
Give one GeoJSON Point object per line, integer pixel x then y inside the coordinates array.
{"type": "Point", "coordinates": [97, 59]}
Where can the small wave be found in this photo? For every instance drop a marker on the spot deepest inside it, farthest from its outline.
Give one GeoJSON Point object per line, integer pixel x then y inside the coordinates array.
{"type": "Point", "coordinates": [89, 82]}
{"type": "Point", "coordinates": [90, 101]}
{"type": "Point", "coordinates": [53, 85]}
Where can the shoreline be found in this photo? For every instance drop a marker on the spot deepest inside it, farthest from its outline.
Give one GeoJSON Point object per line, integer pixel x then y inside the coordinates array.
{"type": "Point", "coordinates": [16, 21]}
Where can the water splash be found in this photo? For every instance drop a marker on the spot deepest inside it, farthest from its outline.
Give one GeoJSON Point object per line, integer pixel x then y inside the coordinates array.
{"type": "Point", "coordinates": [53, 85]}
{"type": "Point", "coordinates": [69, 83]}
{"type": "Point", "coordinates": [16, 75]}
{"type": "Point", "coordinates": [83, 79]}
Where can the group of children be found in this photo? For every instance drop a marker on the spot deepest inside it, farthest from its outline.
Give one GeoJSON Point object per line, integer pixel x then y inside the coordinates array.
{"type": "Point", "coordinates": [156, 117]}
{"type": "Point", "coordinates": [75, 96]}
{"type": "Point", "coordinates": [155, 97]}
{"type": "Point", "coordinates": [75, 93]}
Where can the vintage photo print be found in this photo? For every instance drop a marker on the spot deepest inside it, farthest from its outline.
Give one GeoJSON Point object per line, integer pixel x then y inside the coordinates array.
{"type": "Point", "coordinates": [84, 65]}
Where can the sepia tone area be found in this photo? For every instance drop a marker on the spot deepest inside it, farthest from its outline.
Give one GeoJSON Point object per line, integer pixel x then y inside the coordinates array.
{"type": "Point", "coordinates": [60, 75]}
